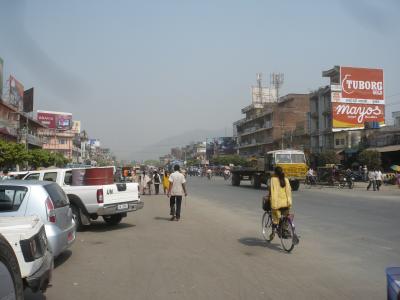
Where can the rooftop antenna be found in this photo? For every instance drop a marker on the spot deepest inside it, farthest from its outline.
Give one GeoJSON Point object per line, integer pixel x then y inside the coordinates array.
{"type": "Point", "coordinates": [277, 82]}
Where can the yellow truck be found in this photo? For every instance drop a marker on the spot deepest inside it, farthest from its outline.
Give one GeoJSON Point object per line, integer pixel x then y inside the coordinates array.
{"type": "Point", "coordinates": [293, 163]}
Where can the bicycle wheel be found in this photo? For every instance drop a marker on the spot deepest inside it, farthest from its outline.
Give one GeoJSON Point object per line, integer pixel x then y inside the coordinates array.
{"type": "Point", "coordinates": [287, 234]}
{"type": "Point", "coordinates": [307, 183]}
{"type": "Point", "coordinates": [266, 226]}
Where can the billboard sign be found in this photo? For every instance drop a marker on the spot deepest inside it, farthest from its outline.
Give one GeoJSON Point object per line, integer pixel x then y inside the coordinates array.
{"type": "Point", "coordinates": [1, 77]}
{"type": "Point", "coordinates": [55, 120]}
{"type": "Point", "coordinates": [354, 115]}
{"type": "Point", "coordinates": [358, 99]}
{"type": "Point", "coordinates": [28, 101]}
{"type": "Point", "coordinates": [76, 126]}
{"type": "Point", "coordinates": [16, 93]}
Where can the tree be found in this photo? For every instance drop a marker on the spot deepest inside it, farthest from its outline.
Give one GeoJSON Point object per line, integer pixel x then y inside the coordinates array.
{"type": "Point", "coordinates": [371, 158]}
{"type": "Point", "coordinates": [39, 158]}
{"type": "Point", "coordinates": [324, 158]}
{"type": "Point", "coordinates": [12, 154]}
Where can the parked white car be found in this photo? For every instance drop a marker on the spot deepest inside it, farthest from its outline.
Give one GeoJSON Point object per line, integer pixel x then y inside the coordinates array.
{"type": "Point", "coordinates": [45, 200]}
{"type": "Point", "coordinates": [25, 260]}
{"type": "Point", "coordinates": [88, 202]}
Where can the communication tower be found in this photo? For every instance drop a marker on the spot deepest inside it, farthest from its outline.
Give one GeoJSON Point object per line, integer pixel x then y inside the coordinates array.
{"type": "Point", "coordinates": [276, 83]}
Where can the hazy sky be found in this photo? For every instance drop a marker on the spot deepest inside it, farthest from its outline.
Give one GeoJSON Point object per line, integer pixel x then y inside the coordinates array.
{"type": "Point", "coordinates": [135, 72]}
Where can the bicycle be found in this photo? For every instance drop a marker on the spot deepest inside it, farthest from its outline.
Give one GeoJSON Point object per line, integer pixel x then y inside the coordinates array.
{"type": "Point", "coordinates": [285, 230]}
{"type": "Point", "coordinates": [310, 181]}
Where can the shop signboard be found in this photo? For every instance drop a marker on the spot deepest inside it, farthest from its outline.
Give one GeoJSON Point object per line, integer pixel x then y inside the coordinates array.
{"type": "Point", "coordinates": [358, 99]}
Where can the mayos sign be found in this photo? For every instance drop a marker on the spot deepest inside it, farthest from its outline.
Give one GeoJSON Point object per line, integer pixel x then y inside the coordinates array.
{"type": "Point", "coordinates": [362, 84]}
{"type": "Point", "coordinates": [351, 115]}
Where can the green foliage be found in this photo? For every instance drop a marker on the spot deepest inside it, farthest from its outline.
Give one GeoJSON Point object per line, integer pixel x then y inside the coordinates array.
{"type": "Point", "coordinates": [12, 154]}
{"type": "Point", "coordinates": [324, 158]}
{"type": "Point", "coordinates": [370, 158]}
{"type": "Point", "coordinates": [230, 159]}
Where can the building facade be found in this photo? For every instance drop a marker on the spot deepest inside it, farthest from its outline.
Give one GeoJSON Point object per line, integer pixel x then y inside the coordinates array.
{"type": "Point", "coordinates": [323, 136]}
{"type": "Point", "coordinates": [274, 125]}
{"type": "Point", "coordinates": [19, 127]}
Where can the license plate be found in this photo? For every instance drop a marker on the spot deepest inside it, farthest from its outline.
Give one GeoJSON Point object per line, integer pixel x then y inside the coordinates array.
{"type": "Point", "coordinates": [122, 206]}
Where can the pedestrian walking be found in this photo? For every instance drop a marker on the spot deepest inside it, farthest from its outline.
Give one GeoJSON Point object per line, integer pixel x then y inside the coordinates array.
{"type": "Point", "coordinates": [166, 182]}
{"type": "Point", "coordinates": [156, 181]}
{"type": "Point", "coordinates": [176, 190]}
{"type": "Point", "coordinates": [135, 177]}
{"type": "Point", "coordinates": [5, 175]}
{"type": "Point", "coordinates": [144, 180]}
{"type": "Point", "coordinates": [372, 180]}
{"type": "Point", "coordinates": [378, 175]}
{"type": "Point", "coordinates": [365, 173]}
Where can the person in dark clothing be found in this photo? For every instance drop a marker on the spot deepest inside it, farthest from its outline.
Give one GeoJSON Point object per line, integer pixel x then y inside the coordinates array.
{"type": "Point", "coordinates": [156, 181]}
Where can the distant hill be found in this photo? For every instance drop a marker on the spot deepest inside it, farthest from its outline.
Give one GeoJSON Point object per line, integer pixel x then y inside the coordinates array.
{"type": "Point", "coordinates": [164, 146]}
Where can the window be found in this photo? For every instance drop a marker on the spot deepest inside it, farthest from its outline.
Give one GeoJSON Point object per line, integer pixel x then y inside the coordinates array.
{"type": "Point", "coordinates": [68, 178]}
{"type": "Point", "coordinates": [57, 195]}
{"type": "Point", "coordinates": [298, 158]}
{"type": "Point", "coordinates": [33, 176]}
{"type": "Point", "coordinates": [11, 197]}
{"type": "Point", "coordinates": [337, 142]}
{"type": "Point", "coordinates": [62, 141]}
{"type": "Point", "coordinates": [283, 159]}
{"type": "Point", "coordinates": [50, 176]}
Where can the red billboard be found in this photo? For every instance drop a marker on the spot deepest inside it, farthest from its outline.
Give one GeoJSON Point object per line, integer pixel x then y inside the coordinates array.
{"type": "Point", "coordinates": [352, 115]}
{"type": "Point", "coordinates": [361, 83]}
{"type": "Point", "coordinates": [359, 99]}
{"type": "Point", "coordinates": [55, 120]}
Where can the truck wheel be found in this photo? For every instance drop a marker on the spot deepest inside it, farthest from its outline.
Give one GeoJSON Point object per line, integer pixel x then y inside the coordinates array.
{"type": "Point", "coordinates": [76, 214]}
{"type": "Point", "coordinates": [256, 181]}
{"type": "Point", "coordinates": [113, 219]}
{"type": "Point", "coordinates": [235, 179]}
{"type": "Point", "coordinates": [11, 286]}
{"type": "Point", "coordinates": [295, 184]}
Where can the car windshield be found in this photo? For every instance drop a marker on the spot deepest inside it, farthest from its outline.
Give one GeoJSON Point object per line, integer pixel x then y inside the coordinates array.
{"type": "Point", "coordinates": [283, 159]}
{"type": "Point", "coordinates": [11, 197]}
{"type": "Point", "coordinates": [298, 158]}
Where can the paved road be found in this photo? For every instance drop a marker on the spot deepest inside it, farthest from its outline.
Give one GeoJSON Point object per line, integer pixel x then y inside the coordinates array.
{"type": "Point", "coordinates": [216, 250]}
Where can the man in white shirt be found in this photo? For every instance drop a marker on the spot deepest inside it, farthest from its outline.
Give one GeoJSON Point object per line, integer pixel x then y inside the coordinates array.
{"type": "Point", "coordinates": [177, 188]}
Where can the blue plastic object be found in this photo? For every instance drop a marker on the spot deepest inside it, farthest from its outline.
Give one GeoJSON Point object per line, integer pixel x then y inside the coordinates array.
{"type": "Point", "coordinates": [393, 283]}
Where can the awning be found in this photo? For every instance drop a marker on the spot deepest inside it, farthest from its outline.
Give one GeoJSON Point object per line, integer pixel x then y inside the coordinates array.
{"type": "Point", "coordinates": [391, 148]}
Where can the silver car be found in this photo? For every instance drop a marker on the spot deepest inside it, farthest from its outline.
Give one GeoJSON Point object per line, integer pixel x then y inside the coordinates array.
{"type": "Point", "coordinates": [45, 200]}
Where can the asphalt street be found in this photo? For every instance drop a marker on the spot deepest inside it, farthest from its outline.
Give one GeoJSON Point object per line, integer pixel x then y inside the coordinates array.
{"type": "Point", "coordinates": [216, 251]}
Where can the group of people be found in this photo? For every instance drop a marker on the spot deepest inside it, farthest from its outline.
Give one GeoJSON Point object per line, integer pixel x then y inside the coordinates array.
{"type": "Point", "coordinates": [374, 179]}
{"type": "Point", "coordinates": [174, 186]}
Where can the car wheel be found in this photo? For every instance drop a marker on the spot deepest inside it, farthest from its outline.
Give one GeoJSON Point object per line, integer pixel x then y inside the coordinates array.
{"type": "Point", "coordinates": [76, 214]}
{"type": "Point", "coordinates": [113, 219]}
{"type": "Point", "coordinates": [11, 286]}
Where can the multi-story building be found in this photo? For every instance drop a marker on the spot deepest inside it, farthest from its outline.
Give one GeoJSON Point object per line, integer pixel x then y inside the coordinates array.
{"type": "Point", "coordinates": [19, 127]}
{"type": "Point", "coordinates": [59, 134]}
{"type": "Point", "coordinates": [274, 125]}
{"type": "Point", "coordinates": [323, 135]}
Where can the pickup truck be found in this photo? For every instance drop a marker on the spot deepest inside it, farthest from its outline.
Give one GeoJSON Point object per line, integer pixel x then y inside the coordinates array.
{"type": "Point", "coordinates": [88, 202]}
{"type": "Point", "coordinates": [25, 260]}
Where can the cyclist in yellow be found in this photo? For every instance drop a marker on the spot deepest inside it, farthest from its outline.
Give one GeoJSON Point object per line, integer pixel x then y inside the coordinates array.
{"type": "Point", "coordinates": [280, 195]}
